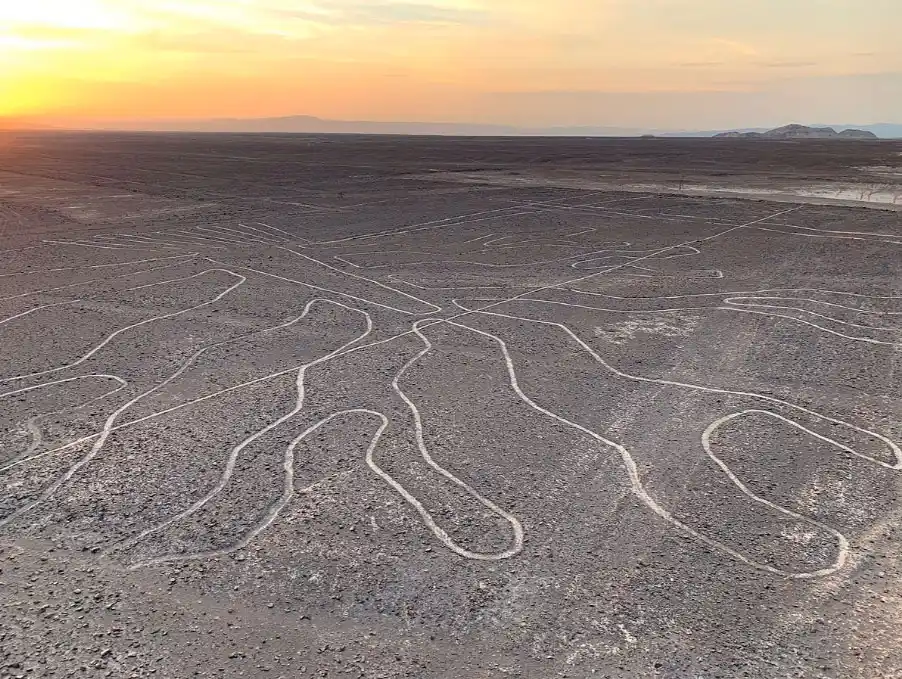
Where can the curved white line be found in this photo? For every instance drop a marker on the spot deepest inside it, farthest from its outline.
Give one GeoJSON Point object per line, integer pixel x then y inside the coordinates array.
{"type": "Point", "coordinates": [735, 308]}
{"type": "Point", "coordinates": [516, 526]}
{"type": "Point", "coordinates": [275, 509]}
{"type": "Point", "coordinates": [635, 479]}
{"type": "Point", "coordinates": [235, 452]}
{"type": "Point", "coordinates": [115, 334]}
{"type": "Point", "coordinates": [32, 423]}
{"type": "Point", "coordinates": [894, 447]}
{"type": "Point", "coordinates": [842, 541]}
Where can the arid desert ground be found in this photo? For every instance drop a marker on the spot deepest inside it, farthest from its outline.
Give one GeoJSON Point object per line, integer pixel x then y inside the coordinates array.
{"type": "Point", "coordinates": [301, 406]}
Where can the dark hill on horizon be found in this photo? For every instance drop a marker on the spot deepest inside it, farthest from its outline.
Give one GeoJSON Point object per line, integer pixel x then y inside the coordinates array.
{"type": "Point", "coordinates": [796, 131]}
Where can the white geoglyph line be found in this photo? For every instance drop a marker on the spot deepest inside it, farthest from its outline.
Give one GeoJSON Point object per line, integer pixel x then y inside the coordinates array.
{"type": "Point", "coordinates": [32, 423]}
{"type": "Point", "coordinates": [269, 232]}
{"type": "Point", "coordinates": [478, 238]}
{"type": "Point", "coordinates": [718, 220]}
{"type": "Point", "coordinates": [118, 332]}
{"type": "Point", "coordinates": [188, 240]}
{"type": "Point", "coordinates": [276, 237]}
{"type": "Point", "coordinates": [291, 236]}
{"type": "Point", "coordinates": [140, 240]}
{"type": "Point", "coordinates": [203, 237]}
{"type": "Point", "coordinates": [224, 231]}
{"type": "Point", "coordinates": [34, 309]}
{"type": "Point", "coordinates": [89, 266]}
{"type": "Point", "coordinates": [90, 245]}
{"type": "Point", "coordinates": [598, 211]}
{"type": "Point", "coordinates": [235, 452]}
{"type": "Point", "coordinates": [275, 509]}
{"type": "Point", "coordinates": [552, 204]}
{"type": "Point", "coordinates": [820, 301]}
{"type": "Point", "coordinates": [539, 243]}
{"type": "Point", "coordinates": [44, 385]}
{"type": "Point", "coordinates": [516, 526]}
{"type": "Point", "coordinates": [251, 236]}
{"type": "Point", "coordinates": [213, 395]}
{"type": "Point", "coordinates": [114, 240]}
{"type": "Point", "coordinates": [233, 235]}
{"type": "Point", "coordinates": [591, 263]}
{"type": "Point", "coordinates": [416, 326]}
{"type": "Point", "coordinates": [692, 273]}
{"type": "Point", "coordinates": [345, 261]}
{"type": "Point", "coordinates": [31, 293]}
{"type": "Point", "coordinates": [746, 293]}
{"type": "Point", "coordinates": [632, 469]}
{"type": "Point", "coordinates": [579, 233]}
{"type": "Point", "coordinates": [581, 257]}
{"type": "Point", "coordinates": [491, 242]}
{"type": "Point", "coordinates": [827, 235]}
{"type": "Point", "coordinates": [245, 239]}
{"type": "Point", "coordinates": [833, 231]}
{"type": "Point", "coordinates": [228, 239]}
{"type": "Point", "coordinates": [740, 299]}
{"type": "Point", "coordinates": [253, 233]}
{"type": "Point", "coordinates": [893, 447]}
{"type": "Point", "coordinates": [747, 302]}
{"type": "Point", "coordinates": [104, 245]}
{"type": "Point", "coordinates": [288, 483]}
{"type": "Point", "coordinates": [110, 425]}
{"type": "Point", "coordinates": [435, 308]}
{"type": "Point", "coordinates": [319, 288]}
{"type": "Point", "coordinates": [740, 308]}
{"type": "Point", "coordinates": [456, 287]}
{"type": "Point", "coordinates": [451, 221]}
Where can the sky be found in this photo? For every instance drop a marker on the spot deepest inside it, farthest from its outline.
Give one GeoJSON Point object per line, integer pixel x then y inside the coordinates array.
{"type": "Point", "coordinates": [668, 64]}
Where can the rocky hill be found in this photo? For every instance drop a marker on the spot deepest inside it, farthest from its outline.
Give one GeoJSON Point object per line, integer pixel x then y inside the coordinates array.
{"type": "Point", "coordinates": [800, 132]}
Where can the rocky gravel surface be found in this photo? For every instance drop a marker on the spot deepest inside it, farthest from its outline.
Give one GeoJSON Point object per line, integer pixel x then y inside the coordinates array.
{"type": "Point", "coordinates": [291, 406]}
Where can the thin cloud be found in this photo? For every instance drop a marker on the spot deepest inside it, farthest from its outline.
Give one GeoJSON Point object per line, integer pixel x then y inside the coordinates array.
{"type": "Point", "coordinates": [787, 64]}
{"type": "Point", "coordinates": [403, 12]}
{"type": "Point", "coordinates": [701, 64]}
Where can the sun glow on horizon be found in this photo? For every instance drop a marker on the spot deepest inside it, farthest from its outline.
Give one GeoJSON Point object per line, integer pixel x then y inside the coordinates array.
{"type": "Point", "coordinates": [517, 61]}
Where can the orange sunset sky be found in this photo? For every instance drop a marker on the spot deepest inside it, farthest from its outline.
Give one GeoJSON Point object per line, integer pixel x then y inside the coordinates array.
{"type": "Point", "coordinates": [657, 63]}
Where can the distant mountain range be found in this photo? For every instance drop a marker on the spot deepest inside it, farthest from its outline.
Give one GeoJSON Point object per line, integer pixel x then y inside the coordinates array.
{"type": "Point", "coordinates": [302, 124]}
{"type": "Point", "coordinates": [800, 132]}
{"type": "Point", "coordinates": [313, 125]}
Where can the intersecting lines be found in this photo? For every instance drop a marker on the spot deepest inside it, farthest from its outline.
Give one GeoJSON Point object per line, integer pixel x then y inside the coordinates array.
{"type": "Point", "coordinates": [195, 401]}
{"type": "Point", "coordinates": [208, 237]}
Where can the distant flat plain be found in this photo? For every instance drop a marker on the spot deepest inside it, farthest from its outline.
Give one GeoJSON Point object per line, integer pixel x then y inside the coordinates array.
{"type": "Point", "coordinates": [303, 406]}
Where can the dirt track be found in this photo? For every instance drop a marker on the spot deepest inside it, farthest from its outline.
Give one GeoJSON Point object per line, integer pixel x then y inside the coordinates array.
{"type": "Point", "coordinates": [317, 406]}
